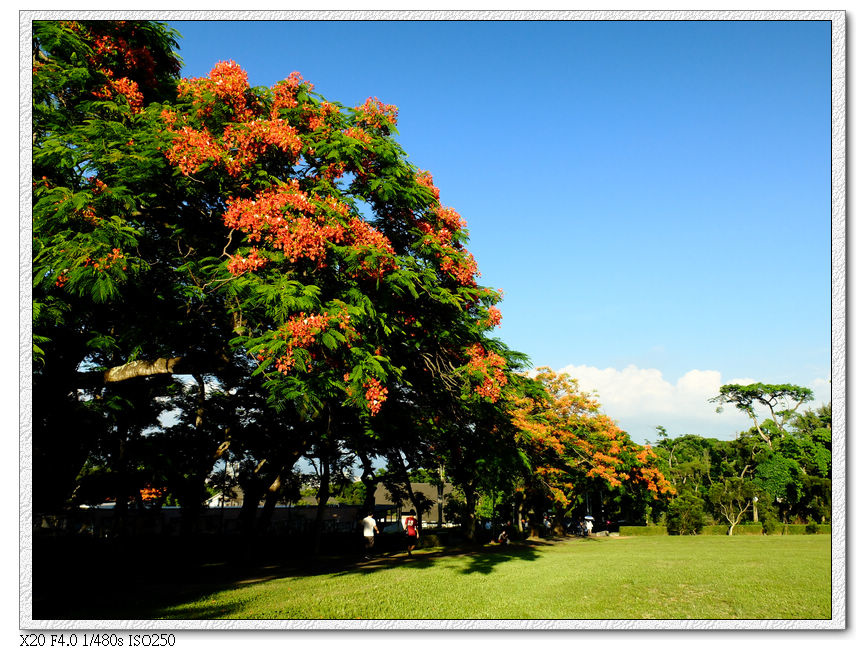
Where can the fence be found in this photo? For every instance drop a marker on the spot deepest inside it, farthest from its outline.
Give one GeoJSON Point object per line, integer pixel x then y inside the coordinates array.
{"type": "Point", "coordinates": [167, 521]}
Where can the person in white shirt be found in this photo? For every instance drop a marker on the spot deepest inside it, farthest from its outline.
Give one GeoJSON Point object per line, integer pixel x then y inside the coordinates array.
{"type": "Point", "coordinates": [369, 531]}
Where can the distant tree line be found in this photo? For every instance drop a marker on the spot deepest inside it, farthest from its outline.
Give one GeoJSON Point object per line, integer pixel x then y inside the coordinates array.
{"type": "Point", "coordinates": [778, 471]}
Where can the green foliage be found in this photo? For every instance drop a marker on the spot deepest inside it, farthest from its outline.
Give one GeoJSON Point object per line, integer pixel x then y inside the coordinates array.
{"type": "Point", "coordinates": [781, 400]}
{"type": "Point", "coordinates": [779, 477]}
{"type": "Point", "coordinates": [770, 522]}
{"type": "Point", "coordinates": [732, 498]}
{"type": "Point", "coordinates": [789, 470]}
{"type": "Point", "coordinates": [742, 529]}
{"type": "Point", "coordinates": [685, 515]}
{"type": "Point", "coordinates": [642, 531]}
{"type": "Point", "coordinates": [352, 494]}
{"type": "Point", "coordinates": [806, 529]}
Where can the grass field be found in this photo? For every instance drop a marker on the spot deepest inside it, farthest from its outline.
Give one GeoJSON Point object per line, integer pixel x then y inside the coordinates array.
{"type": "Point", "coordinates": [778, 577]}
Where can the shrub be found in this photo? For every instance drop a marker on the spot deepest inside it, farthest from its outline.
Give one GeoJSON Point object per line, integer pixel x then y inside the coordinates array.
{"type": "Point", "coordinates": [741, 529]}
{"type": "Point", "coordinates": [685, 515]}
{"type": "Point", "coordinates": [748, 529]}
{"type": "Point", "coordinates": [812, 528]}
{"type": "Point", "coordinates": [633, 531]}
{"type": "Point", "coordinates": [770, 526]}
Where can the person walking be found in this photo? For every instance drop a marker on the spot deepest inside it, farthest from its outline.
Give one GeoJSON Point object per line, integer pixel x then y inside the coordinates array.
{"type": "Point", "coordinates": [370, 529]}
{"type": "Point", "coordinates": [411, 533]}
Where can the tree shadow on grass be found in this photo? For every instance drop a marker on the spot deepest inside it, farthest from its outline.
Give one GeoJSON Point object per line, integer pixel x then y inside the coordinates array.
{"type": "Point", "coordinates": [486, 561]}
{"type": "Point", "coordinates": [151, 593]}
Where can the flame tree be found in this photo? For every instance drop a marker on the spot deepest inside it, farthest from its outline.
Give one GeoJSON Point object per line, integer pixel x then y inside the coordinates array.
{"type": "Point", "coordinates": [268, 242]}
{"type": "Point", "coordinates": [571, 447]}
{"type": "Point", "coordinates": [204, 227]}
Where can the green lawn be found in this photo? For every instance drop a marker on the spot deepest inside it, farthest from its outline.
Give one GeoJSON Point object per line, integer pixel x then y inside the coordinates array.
{"type": "Point", "coordinates": [778, 577]}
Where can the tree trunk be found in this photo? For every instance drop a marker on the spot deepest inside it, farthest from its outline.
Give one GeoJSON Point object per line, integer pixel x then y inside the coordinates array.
{"type": "Point", "coordinates": [520, 510]}
{"type": "Point", "coordinates": [559, 525]}
{"type": "Point", "coordinates": [190, 505]}
{"type": "Point", "coordinates": [272, 494]}
{"type": "Point", "coordinates": [369, 484]}
{"type": "Point", "coordinates": [470, 522]}
{"type": "Point", "coordinates": [193, 486]}
{"type": "Point", "coordinates": [323, 496]}
{"type": "Point", "coordinates": [403, 476]}
{"type": "Point", "coordinates": [253, 488]}
{"type": "Point", "coordinates": [121, 499]}
{"type": "Point", "coordinates": [440, 493]}
{"type": "Point", "coordinates": [270, 498]}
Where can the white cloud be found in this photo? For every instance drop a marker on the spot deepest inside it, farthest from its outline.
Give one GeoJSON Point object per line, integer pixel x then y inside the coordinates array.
{"type": "Point", "coordinates": [640, 399]}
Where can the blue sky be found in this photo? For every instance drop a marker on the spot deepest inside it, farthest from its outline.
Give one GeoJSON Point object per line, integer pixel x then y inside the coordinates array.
{"type": "Point", "coordinates": [653, 197]}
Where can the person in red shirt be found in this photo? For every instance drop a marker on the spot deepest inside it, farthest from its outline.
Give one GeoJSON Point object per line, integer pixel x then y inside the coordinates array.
{"type": "Point", "coordinates": [410, 524]}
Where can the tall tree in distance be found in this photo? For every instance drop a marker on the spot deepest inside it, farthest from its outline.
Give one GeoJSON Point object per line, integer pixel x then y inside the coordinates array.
{"type": "Point", "coordinates": [781, 400]}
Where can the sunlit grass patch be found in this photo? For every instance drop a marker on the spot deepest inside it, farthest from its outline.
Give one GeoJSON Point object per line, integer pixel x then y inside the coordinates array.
{"type": "Point", "coordinates": [603, 578]}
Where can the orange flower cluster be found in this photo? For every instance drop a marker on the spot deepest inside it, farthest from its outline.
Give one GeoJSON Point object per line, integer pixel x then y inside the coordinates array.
{"type": "Point", "coordinates": [105, 263]}
{"type": "Point", "coordinates": [493, 319]}
{"type": "Point", "coordinates": [366, 238]}
{"type": "Point", "coordinates": [298, 332]}
{"type": "Point", "coordinates": [303, 227]}
{"type": "Point", "coordinates": [375, 395]}
{"type": "Point", "coordinates": [129, 89]}
{"type": "Point", "coordinates": [265, 213]}
{"type": "Point", "coordinates": [111, 51]}
{"type": "Point", "coordinates": [249, 140]}
{"type": "Point", "coordinates": [375, 113]}
{"type": "Point", "coordinates": [150, 493]}
{"type": "Point", "coordinates": [241, 144]}
{"type": "Point", "coordinates": [123, 87]}
{"type": "Point", "coordinates": [190, 149]}
{"type": "Point", "coordinates": [451, 219]}
{"type": "Point", "coordinates": [227, 81]}
{"type": "Point", "coordinates": [358, 134]}
{"type": "Point", "coordinates": [463, 268]}
{"type": "Point", "coordinates": [425, 178]}
{"type": "Point", "coordinates": [230, 82]}
{"type": "Point", "coordinates": [285, 93]}
{"type": "Point", "coordinates": [243, 140]}
{"type": "Point", "coordinates": [107, 47]}
{"type": "Point", "coordinates": [444, 229]}
{"type": "Point", "coordinates": [489, 366]}
{"type": "Point", "coordinates": [99, 187]}
{"type": "Point", "coordinates": [570, 438]}
{"type": "Point", "coordinates": [333, 171]}
{"type": "Point", "coordinates": [237, 264]}
{"type": "Point", "coordinates": [317, 117]}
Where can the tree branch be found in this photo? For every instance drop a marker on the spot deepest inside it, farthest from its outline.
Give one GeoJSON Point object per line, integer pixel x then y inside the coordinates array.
{"type": "Point", "coordinates": [185, 365]}
{"type": "Point", "coordinates": [142, 369]}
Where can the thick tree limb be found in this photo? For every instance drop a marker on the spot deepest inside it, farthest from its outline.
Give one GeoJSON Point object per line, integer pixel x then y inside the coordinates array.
{"type": "Point", "coordinates": [142, 369]}
{"type": "Point", "coordinates": [185, 365]}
